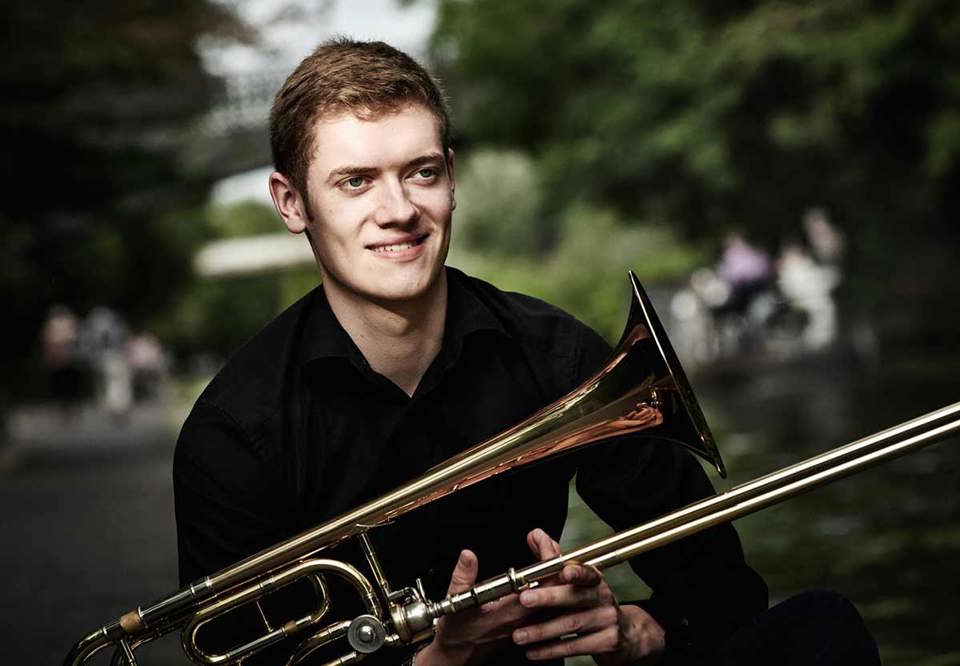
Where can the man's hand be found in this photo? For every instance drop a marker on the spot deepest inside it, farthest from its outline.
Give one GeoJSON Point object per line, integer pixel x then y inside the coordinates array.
{"type": "Point", "coordinates": [581, 608]}
{"type": "Point", "coordinates": [469, 637]}
{"type": "Point", "coordinates": [588, 617]}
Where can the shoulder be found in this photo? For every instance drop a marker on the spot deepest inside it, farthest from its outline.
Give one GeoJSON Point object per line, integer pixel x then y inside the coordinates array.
{"type": "Point", "coordinates": [248, 391]}
{"type": "Point", "coordinates": [540, 327]}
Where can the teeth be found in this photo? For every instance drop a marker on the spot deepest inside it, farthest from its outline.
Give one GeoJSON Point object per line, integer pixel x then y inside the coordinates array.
{"type": "Point", "coordinates": [394, 248]}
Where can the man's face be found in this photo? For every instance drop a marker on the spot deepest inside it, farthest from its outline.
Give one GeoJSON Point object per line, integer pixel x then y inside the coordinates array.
{"type": "Point", "coordinates": [381, 196]}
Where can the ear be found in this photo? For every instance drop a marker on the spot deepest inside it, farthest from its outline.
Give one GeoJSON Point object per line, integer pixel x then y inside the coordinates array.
{"type": "Point", "coordinates": [451, 175]}
{"type": "Point", "coordinates": [289, 203]}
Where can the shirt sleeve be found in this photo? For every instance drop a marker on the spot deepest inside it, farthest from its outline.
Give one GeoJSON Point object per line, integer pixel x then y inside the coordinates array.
{"type": "Point", "coordinates": [702, 587]}
{"type": "Point", "coordinates": [229, 501]}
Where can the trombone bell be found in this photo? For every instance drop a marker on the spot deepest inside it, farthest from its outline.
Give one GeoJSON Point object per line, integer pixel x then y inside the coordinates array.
{"type": "Point", "coordinates": [688, 421]}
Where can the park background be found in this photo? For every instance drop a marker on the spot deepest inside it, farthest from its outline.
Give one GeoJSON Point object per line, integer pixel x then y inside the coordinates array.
{"type": "Point", "coordinates": [591, 138]}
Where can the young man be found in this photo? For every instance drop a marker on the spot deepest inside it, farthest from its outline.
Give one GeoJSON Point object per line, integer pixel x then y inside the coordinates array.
{"type": "Point", "coordinates": [394, 364]}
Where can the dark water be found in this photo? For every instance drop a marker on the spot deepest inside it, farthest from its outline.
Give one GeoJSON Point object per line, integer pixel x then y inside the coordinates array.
{"type": "Point", "coordinates": [889, 537]}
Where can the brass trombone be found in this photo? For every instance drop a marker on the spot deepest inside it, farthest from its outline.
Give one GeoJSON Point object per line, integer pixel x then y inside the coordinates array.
{"type": "Point", "coordinates": [641, 386]}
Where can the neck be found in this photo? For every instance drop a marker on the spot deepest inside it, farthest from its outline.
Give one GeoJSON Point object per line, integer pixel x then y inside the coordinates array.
{"type": "Point", "coordinates": [399, 339]}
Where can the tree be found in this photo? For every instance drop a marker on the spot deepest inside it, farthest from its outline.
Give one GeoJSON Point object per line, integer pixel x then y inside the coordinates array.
{"type": "Point", "coordinates": [98, 98]}
{"type": "Point", "coordinates": [715, 114]}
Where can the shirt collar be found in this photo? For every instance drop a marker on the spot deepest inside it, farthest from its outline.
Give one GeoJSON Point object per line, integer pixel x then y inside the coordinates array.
{"type": "Point", "coordinates": [467, 313]}
{"type": "Point", "coordinates": [323, 336]}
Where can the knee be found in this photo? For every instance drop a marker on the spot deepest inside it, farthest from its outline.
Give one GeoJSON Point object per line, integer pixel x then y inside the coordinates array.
{"type": "Point", "coordinates": [814, 628]}
{"type": "Point", "coordinates": [842, 635]}
{"type": "Point", "coordinates": [826, 603]}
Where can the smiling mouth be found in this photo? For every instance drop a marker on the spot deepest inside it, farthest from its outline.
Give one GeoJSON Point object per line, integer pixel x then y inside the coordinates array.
{"type": "Point", "coordinates": [398, 247]}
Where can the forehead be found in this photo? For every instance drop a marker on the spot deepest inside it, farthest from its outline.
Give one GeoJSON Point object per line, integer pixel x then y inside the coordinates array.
{"type": "Point", "coordinates": [380, 140]}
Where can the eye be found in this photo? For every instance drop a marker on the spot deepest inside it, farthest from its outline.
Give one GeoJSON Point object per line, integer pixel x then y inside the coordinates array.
{"type": "Point", "coordinates": [355, 182]}
{"type": "Point", "coordinates": [426, 173]}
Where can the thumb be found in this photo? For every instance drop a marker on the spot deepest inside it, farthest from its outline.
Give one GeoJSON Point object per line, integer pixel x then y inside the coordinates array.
{"type": "Point", "coordinates": [464, 573]}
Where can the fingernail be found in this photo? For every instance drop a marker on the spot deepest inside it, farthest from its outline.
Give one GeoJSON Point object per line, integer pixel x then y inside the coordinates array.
{"type": "Point", "coordinates": [520, 636]}
{"type": "Point", "coordinates": [529, 598]}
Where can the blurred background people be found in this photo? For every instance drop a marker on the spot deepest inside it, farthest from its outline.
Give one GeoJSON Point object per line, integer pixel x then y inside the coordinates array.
{"type": "Point", "coordinates": [745, 268]}
{"type": "Point", "coordinates": [827, 243]}
{"type": "Point", "coordinates": [148, 366]}
{"type": "Point", "coordinates": [747, 272]}
{"type": "Point", "coordinates": [60, 354]}
{"type": "Point", "coordinates": [104, 339]}
{"type": "Point", "coordinates": [752, 304]}
{"type": "Point", "coordinates": [807, 287]}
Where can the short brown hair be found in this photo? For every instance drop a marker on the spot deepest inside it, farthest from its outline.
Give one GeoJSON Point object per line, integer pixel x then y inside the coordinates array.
{"type": "Point", "coordinates": [365, 78]}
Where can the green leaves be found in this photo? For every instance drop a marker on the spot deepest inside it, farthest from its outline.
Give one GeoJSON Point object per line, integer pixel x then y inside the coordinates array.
{"type": "Point", "coordinates": [577, 260]}
{"type": "Point", "coordinates": [97, 98]}
{"type": "Point", "coordinates": [746, 113]}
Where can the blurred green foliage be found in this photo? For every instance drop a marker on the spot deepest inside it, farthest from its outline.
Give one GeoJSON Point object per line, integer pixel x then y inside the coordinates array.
{"type": "Point", "coordinates": [499, 197]}
{"type": "Point", "coordinates": [219, 313]}
{"type": "Point", "coordinates": [98, 209]}
{"type": "Point", "coordinates": [244, 218]}
{"type": "Point", "coordinates": [581, 266]}
{"type": "Point", "coordinates": [708, 115]}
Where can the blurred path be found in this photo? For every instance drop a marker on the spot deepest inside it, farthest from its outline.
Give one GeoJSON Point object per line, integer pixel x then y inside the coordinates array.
{"type": "Point", "coordinates": [40, 428]}
{"type": "Point", "coordinates": [88, 528]}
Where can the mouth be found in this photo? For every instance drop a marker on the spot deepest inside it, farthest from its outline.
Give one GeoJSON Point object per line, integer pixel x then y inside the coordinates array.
{"type": "Point", "coordinates": [398, 247]}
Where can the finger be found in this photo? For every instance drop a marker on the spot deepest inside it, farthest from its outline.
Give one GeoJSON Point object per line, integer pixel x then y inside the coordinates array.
{"type": "Point", "coordinates": [504, 606]}
{"type": "Point", "coordinates": [578, 574]}
{"type": "Point", "coordinates": [499, 622]}
{"type": "Point", "coordinates": [583, 622]}
{"type": "Point", "coordinates": [597, 643]}
{"type": "Point", "coordinates": [464, 573]}
{"type": "Point", "coordinates": [568, 596]}
{"type": "Point", "coordinates": [542, 545]}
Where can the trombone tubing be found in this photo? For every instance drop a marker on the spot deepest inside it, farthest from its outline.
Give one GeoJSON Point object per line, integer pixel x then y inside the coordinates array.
{"type": "Point", "coordinates": [739, 501]}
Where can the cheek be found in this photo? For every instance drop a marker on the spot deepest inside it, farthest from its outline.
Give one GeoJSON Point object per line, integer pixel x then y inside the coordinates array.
{"type": "Point", "coordinates": [336, 227]}
{"type": "Point", "coordinates": [331, 250]}
{"type": "Point", "coordinates": [439, 205]}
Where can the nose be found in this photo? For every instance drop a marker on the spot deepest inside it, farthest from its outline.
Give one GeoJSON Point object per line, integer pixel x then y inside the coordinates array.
{"type": "Point", "coordinates": [395, 206]}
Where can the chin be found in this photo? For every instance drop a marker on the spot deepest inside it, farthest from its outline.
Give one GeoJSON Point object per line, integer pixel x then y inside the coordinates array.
{"type": "Point", "coordinates": [405, 284]}
{"type": "Point", "coordinates": [386, 284]}
{"type": "Point", "coordinates": [397, 290]}
{"type": "Point", "coordinates": [401, 293]}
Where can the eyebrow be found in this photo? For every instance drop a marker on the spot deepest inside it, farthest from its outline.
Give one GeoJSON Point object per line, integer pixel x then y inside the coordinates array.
{"type": "Point", "coordinates": [429, 158]}
{"type": "Point", "coordinates": [350, 170]}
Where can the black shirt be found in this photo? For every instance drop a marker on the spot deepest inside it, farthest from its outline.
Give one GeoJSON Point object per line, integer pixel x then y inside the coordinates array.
{"type": "Point", "coordinates": [297, 428]}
